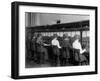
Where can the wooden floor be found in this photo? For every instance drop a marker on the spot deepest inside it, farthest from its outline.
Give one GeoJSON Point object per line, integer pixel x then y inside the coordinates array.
{"type": "Point", "coordinates": [33, 64]}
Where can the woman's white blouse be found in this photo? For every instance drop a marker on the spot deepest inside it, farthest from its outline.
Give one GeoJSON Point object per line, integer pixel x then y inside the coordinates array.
{"type": "Point", "coordinates": [77, 45]}
{"type": "Point", "coordinates": [55, 42]}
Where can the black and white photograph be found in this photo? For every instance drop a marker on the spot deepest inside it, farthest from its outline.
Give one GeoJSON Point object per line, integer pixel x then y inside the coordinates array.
{"type": "Point", "coordinates": [50, 40]}
{"type": "Point", "coordinates": [55, 40]}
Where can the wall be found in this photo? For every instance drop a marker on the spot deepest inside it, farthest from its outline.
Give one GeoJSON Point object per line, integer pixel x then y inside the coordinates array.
{"type": "Point", "coordinates": [5, 40]}
{"type": "Point", "coordinates": [50, 18]}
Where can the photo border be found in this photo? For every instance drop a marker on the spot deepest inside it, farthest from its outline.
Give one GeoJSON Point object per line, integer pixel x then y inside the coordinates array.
{"type": "Point", "coordinates": [15, 39]}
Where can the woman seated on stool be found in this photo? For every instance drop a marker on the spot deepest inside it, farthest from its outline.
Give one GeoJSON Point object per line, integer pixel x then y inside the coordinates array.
{"type": "Point", "coordinates": [77, 45]}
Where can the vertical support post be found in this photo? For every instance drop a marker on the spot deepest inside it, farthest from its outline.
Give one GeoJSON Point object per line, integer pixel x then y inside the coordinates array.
{"type": "Point", "coordinates": [81, 36]}
{"type": "Point", "coordinates": [81, 33]}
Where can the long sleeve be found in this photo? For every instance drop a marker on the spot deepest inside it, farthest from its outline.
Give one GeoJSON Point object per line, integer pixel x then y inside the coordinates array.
{"type": "Point", "coordinates": [77, 45]}
{"type": "Point", "coordinates": [56, 43]}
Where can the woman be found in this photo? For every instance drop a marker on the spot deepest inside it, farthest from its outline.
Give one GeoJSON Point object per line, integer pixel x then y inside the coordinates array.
{"type": "Point", "coordinates": [77, 45]}
{"type": "Point", "coordinates": [65, 49]}
{"type": "Point", "coordinates": [42, 51]}
{"type": "Point", "coordinates": [56, 50]}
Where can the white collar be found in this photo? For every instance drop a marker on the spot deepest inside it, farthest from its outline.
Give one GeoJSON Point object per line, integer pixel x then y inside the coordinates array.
{"type": "Point", "coordinates": [77, 40]}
